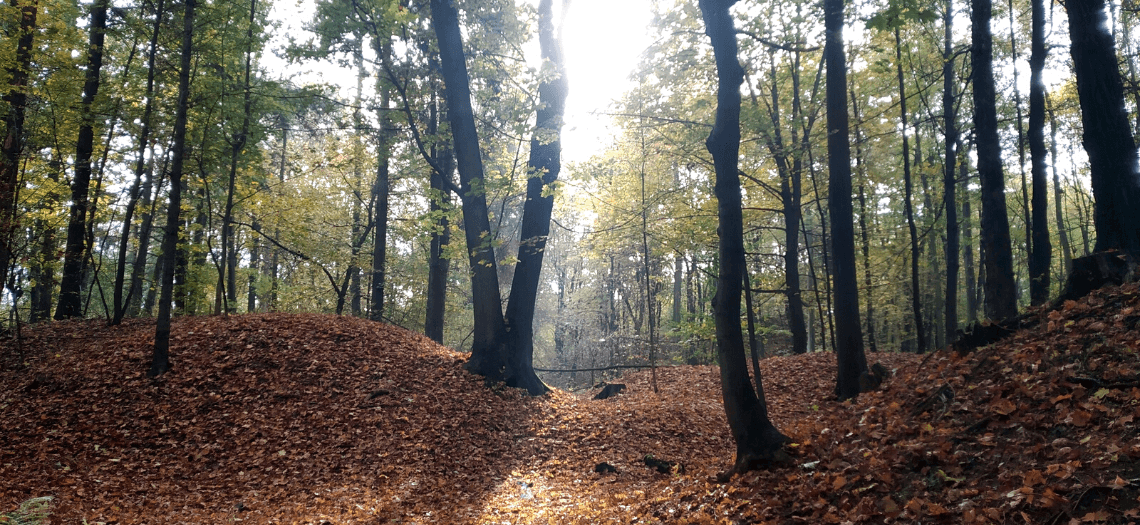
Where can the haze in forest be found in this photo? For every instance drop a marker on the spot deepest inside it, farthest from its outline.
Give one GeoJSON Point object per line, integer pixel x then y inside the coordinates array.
{"type": "Point", "coordinates": [602, 41]}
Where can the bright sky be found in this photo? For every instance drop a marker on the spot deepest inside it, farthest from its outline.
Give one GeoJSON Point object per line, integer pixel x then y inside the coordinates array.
{"type": "Point", "coordinates": [602, 41]}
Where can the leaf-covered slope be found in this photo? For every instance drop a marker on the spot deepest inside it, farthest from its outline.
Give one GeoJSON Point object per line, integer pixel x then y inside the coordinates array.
{"type": "Point", "coordinates": [311, 419]}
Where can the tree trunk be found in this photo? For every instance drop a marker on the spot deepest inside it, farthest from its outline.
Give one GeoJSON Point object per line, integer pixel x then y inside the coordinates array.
{"type": "Point", "coordinates": [1000, 292]}
{"type": "Point", "coordinates": [122, 293]}
{"type": "Point", "coordinates": [949, 165]}
{"type": "Point", "coordinates": [1058, 194]}
{"type": "Point", "coordinates": [1041, 250]}
{"type": "Point", "coordinates": [543, 166]}
{"type": "Point", "coordinates": [487, 353]}
{"type": "Point", "coordinates": [757, 440]}
{"type": "Point", "coordinates": [380, 191]}
{"type": "Point", "coordinates": [254, 269]}
{"type": "Point", "coordinates": [75, 255]}
{"type": "Point", "coordinates": [849, 351]}
{"type": "Point", "coordinates": [908, 205]}
{"type": "Point", "coordinates": [438, 265]}
{"type": "Point", "coordinates": [1107, 132]}
{"type": "Point", "coordinates": [1030, 236]}
{"type": "Point", "coordinates": [12, 146]}
{"type": "Point", "coordinates": [160, 361]}
{"type": "Point", "coordinates": [863, 229]}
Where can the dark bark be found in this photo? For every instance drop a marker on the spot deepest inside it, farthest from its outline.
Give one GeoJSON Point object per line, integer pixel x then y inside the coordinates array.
{"type": "Point", "coordinates": [969, 273]}
{"type": "Point", "coordinates": [864, 234]}
{"type": "Point", "coordinates": [757, 440]}
{"type": "Point", "coordinates": [488, 357]}
{"type": "Point", "coordinates": [1000, 291]}
{"type": "Point", "coordinates": [1107, 132]}
{"type": "Point", "coordinates": [160, 361]}
{"type": "Point", "coordinates": [790, 192]}
{"type": "Point", "coordinates": [1041, 251]}
{"type": "Point", "coordinates": [543, 166]}
{"type": "Point", "coordinates": [438, 265]}
{"type": "Point", "coordinates": [138, 269]}
{"type": "Point", "coordinates": [75, 253]}
{"type": "Point", "coordinates": [122, 294]}
{"type": "Point", "coordinates": [908, 207]}
{"type": "Point", "coordinates": [1062, 231]}
{"type": "Point", "coordinates": [12, 147]}
{"type": "Point", "coordinates": [949, 175]}
{"type": "Point", "coordinates": [381, 189]}
{"type": "Point", "coordinates": [849, 349]}
{"type": "Point", "coordinates": [254, 267]}
{"type": "Point", "coordinates": [227, 268]}
{"type": "Point", "coordinates": [1019, 122]}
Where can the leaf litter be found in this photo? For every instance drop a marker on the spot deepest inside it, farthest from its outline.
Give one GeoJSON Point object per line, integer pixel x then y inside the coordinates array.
{"type": "Point", "coordinates": [305, 418]}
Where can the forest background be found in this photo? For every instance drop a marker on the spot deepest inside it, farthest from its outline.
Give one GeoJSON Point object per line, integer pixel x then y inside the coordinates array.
{"type": "Point", "coordinates": [314, 198]}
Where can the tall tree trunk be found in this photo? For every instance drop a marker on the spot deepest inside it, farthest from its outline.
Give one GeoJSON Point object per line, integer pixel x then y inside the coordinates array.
{"type": "Point", "coordinates": [228, 266]}
{"type": "Point", "coordinates": [1020, 123]}
{"type": "Point", "coordinates": [16, 96]}
{"type": "Point", "coordinates": [254, 269]}
{"type": "Point", "coordinates": [908, 205]}
{"type": "Point", "coordinates": [138, 269]}
{"type": "Point", "coordinates": [160, 361]}
{"type": "Point", "coordinates": [949, 165]}
{"type": "Point", "coordinates": [1107, 133]}
{"type": "Point", "coordinates": [487, 353]}
{"type": "Point", "coordinates": [849, 352]}
{"type": "Point", "coordinates": [757, 440]}
{"type": "Point", "coordinates": [969, 273]}
{"type": "Point", "coordinates": [543, 167]}
{"type": "Point", "coordinates": [438, 265]}
{"type": "Point", "coordinates": [74, 255]}
{"type": "Point", "coordinates": [1041, 251]}
{"type": "Point", "coordinates": [863, 229]}
{"type": "Point", "coordinates": [122, 294]}
{"type": "Point", "coordinates": [380, 191]}
{"type": "Point", "coordinates": [1058, 194]}
{"type": "Point", "coordinates": [1000, 291]}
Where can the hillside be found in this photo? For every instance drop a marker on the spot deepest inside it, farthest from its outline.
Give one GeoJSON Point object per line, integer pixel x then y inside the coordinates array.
{"type": "Point", "coordinates": [317, 419]}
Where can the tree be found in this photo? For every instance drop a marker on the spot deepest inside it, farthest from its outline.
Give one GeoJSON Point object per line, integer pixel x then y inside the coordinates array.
{"type": "Point", "coordinates": [1107, 134]}
{"type": "Point", "coordinates": [949, 164]}
{"type": "Point", "coordinates": [160, 360]}
{"type": "Point", "coordinates": [121, 301]}
{"type": "Point", "coordinates": [490, 355]}
{"type": "Point", "coordinates": [543, 168]}
{"type": "Point", "coordinates": [1000, 291]}
{"type": "Point", "coordinates": [1041, 251]}
{"type": "Point", "coordinates": [16, 96]}
{"type": "Point", "coordinates": [849, 337]}
{"type": "Point", "coordinates": [758, 442]}
{"type": "Point", "coordinates": [75, 253]}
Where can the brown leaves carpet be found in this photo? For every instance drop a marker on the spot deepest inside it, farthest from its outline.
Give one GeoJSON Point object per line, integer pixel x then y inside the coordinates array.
{"type": "Point", "coordinates": [318, 419]}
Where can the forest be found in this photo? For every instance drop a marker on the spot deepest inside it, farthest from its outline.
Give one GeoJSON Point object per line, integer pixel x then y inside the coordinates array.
{"type": "Point", "coordinates": [849, 186]}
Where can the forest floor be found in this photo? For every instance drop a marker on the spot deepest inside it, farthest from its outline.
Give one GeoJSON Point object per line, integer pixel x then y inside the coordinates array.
{"type": "Point", "coordinates": [318, 419]}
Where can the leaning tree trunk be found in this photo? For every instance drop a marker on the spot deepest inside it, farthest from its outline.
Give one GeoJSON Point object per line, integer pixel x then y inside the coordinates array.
{"type": "Point", "coordinates": [543, 168]}
{"type": "Point", "coordinates": [1041, 251]}
{"type": "Point", "coordinates": [1108, 135]}
{"type": "Point", "coordinates": [160, 361]}
{"type": "Point", "coordinates": [849, 350]}
{"type": "Point", "coordinates": [1000, 291]}
{"type": "Point", "coordinates": [757, 440]}
{"type": "Point", "coordinates": [487, 353]}
{"type": "Point", "coordinates": [74, 255]}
